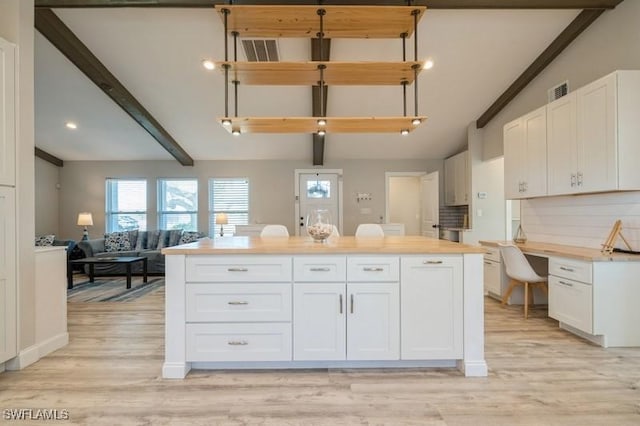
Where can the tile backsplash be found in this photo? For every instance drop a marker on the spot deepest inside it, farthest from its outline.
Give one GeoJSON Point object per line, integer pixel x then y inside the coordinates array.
{"type": "Point", "coordinates": [453, 216]}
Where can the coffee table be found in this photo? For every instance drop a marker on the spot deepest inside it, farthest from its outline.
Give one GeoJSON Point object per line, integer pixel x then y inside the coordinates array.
{"type": "Point", "coordinates": [126, 260]}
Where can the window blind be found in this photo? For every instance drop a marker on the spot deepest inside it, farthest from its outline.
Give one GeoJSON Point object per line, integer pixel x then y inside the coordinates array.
{"type": "Point", "coordinates": [229, 196]}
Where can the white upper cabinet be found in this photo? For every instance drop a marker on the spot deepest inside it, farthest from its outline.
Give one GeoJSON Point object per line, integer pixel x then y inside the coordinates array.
{"type": "Point", "coordinates": [525, 155]}
{"type": "Point", "coordinates": [592, 137]}
{"type": "Point", "coordinates": [456, 179]}
{"type": "Point", "coordinates": [7, 114]}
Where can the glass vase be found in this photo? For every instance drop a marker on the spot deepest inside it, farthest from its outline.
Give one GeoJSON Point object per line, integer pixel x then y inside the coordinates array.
{"type": "Point", "coordinates": [319, 224]}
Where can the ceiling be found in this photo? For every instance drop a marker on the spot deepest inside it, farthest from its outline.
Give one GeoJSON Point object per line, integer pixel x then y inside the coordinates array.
{"type": "Point", "coordinates": [156, 54]}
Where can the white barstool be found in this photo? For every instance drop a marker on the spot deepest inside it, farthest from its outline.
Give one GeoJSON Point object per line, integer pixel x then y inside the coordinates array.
{"type": "Point", "coordinates": [369, 230]}
{"type": "Point", "coordinates": [274, 231]}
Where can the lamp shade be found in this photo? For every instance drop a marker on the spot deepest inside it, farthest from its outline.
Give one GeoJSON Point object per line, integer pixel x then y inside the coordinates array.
{"type": "Point", "coordinates": [85, 219]}
{"type": "Point", "coordinates": [221, 219]}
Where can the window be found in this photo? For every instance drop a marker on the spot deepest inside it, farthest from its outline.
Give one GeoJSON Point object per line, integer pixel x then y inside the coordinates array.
{"type": "Point", "coordinates": [126, 204]}
{"type": "Point", "coordinates": [178, 204]}
{"type": "Point", "coordinates": [229, 196]}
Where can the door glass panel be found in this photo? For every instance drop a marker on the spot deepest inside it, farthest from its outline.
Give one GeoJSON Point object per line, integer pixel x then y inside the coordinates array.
{"type": "Point", "coordinates": [319, 189]}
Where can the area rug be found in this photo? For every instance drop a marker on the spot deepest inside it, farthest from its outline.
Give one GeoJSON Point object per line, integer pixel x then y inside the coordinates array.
{"type": "Point", "coordinates": [112, 289]}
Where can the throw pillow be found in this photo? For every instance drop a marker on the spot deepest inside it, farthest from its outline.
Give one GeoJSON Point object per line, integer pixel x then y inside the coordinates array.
{"type": "Point", "coordinates": [163, 240]}
{"type": "Point", "coordinates": [152, 239]}
{"type": "Point", "coordinates": [189, 237]}
{"type": "Point", "coordinates": [174, 237]}
{"type": "Point", "coordinates": [141, 241]}
{"type": "Point", "coordinates": [117, 241]}
{"type": "Point", "coordinates": [45, 240]}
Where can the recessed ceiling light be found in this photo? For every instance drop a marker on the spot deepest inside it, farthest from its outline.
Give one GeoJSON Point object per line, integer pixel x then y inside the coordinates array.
{"type": "Point", "coordinates": [416, 121]}
{"type": "Point", "coordinates": [404, 132]}
{"type": "Point", "coordinates": [71, 125]}
{"type": "Point", "coordinates": [208, 64]}
{"type": "Point", "coordinates": [428, 64]}
{"type": "Point", "coordinates": [226, 122]}
{"type": "Point", "coordinates": [321, 132]}
{"type": "Point", "coordinates": [322, 122]}
{"type": "Point", "coordinates": [235, 132]}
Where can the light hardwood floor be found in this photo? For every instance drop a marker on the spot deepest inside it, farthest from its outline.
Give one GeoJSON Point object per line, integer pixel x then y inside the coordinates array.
{"type": "Point", "coordinates": [109, 374]}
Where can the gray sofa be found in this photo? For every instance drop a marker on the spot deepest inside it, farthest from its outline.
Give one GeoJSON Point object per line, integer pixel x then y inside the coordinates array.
{"type": "Point", "coordinates": [140, 244]}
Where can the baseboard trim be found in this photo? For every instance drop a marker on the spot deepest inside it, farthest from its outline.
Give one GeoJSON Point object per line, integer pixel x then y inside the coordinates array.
{"type": "Point", "coordinates": [175, 370]}
{"type": "Point", "coordinates": [52, 344]}
{"type": "Point", "coordinates": [34, 353]}
{"type": "Point", "coordinates": [597, 339]}
{"type": "Point", "coordinates": [25, 358]}
{"type": "Point", "coordinates": [473, 368]}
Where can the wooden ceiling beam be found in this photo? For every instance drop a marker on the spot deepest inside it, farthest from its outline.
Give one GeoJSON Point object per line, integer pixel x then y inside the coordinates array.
{"type": "Point", "coordinates": [575, 28]}
{"type": "Point", "coordinates": [48, 157]}
{"type": "Point", "coordinates": [319, 103]}
{"type": "Point", "coordinates": [50, 26]}
{"type": "Point", "coordinates": [431, 4]}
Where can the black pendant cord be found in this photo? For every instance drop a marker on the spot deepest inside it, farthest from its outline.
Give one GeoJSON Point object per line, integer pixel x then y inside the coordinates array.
{"type": "Point", "coordinates": [415, 34]}
{"type": "Point", "coordinates": [404, 46]}
{"type": "Point", "coordinates": [225, 13]}
{"type": "Point", "coordinates": [321, 67]}
{"type": "Point", "coordinates": [235, 90]}
{"type": "Point", "coordinates": [235, 45]}
{"type": "Point", "coordinates": [415, 89]}
{"type": "Point", "coordinates": [404, 96]}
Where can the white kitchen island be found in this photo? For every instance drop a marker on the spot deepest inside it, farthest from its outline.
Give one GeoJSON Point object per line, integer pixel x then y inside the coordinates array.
{"type": "Point", "coordinates": [289, 302]}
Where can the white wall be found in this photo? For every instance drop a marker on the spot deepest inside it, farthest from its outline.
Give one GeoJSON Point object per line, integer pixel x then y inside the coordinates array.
{"type": "Point", "coordinates": [271, 188]}
{"type": "Point", "coordinates": [47, 180]}
{"type": "Point", "coordinates": [610, 43]}
{"type": "Point", "coordinates": [16, 25]}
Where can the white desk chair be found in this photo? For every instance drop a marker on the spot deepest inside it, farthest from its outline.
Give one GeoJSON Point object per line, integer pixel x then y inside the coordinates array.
{"type": "Point", "coordinates": [519, 270]}
{"type": "Point", "coordinates": [335, 232]}
{"type": "Point", "coordinates": [274, 231]}
{"type": "Point", "coordinates": [369, 230]}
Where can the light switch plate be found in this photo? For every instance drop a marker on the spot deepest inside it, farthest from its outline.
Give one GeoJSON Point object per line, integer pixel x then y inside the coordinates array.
{"type": "Point", "coordinates": [482, 195]}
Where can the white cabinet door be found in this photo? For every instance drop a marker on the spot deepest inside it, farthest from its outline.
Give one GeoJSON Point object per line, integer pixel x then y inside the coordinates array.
{"type": "Point", "coordinates": [525, 155]}
{"type": "Point", "coordinates": [597, 136]}
{"type": "Point", "coordinates": [571, 302]}
{"type": "Point", "coordinates": [432, 317]}
{"type": "Point", "coordinates": [373, 324]}
{"type": "Point", "coordinates": [562, 145]}
{"type": "Point", "coordinates": [462, 178]}
{"type": "Point", "coordinates": [514, 151]}
{"type": "Point", "coordinates": [449, 182]}
{"type": "Point", "coordinates": [7, 274]}
{"type": "Point", "coordinates": [492, 283]}
{"type": "Point", "coordinates": [7, 114]}
{"type": "Point", "coordinates": [319, 315]}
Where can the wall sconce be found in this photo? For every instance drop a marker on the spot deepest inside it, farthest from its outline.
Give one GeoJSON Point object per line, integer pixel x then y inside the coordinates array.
{"type": "Point", "coordinates": [222, 219]}
{"type": "Point", "coordinates": [85, 219]}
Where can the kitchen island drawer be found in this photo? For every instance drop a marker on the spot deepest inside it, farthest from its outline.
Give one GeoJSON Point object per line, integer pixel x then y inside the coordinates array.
{"type": "Point", "coordinates": [238, 302]}
{"type": "Point", "coordinates": [320, 269]}
{"type": "Point", "coordinates": [238, 268]}
{"type": "Point", "coordinates": [238, 342]}
{"type": "Point", "coordinates": [571, 268]}
{"type": "Point", "coordinates": [373, 268]}
{"type": "Point", "coordinates": [571, 302]}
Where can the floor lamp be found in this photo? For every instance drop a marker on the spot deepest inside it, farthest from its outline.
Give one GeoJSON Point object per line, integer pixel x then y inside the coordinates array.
{"type": "Point", "coordinates": [85, 219]}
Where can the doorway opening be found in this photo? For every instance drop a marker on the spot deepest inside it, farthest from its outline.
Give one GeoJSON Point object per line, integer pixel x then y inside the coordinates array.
{"type": "Point", "coordinates": [412, 198]}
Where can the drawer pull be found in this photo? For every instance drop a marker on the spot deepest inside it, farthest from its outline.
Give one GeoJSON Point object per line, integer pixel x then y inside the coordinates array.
{"type": "Point", "coordinates": [567, 284]}
{"type": "Point", "coordinates": [487, 263]}
{"type": "Point", "coordinates": [352, 303]}
{"type": "Point", "coordinates": [237, 269]}
{"type": "Point", "coordinates": [432, 262]}
{"type": "Point", "coordinates": [373, 269]}
{"type": "Point", "coordinates": [238, 302]}
{"type": "Point", "coordinates": [564, 268]}
{"type": "Point", "coordinates": [320, 269]}
{"type": "Point", "coordinates": [238, 343]}
{"type": "Point", "coordinates": [340, 303]}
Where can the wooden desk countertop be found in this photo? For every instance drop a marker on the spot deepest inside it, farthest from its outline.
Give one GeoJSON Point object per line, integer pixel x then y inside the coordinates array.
{"type": "Point", "coordinates": [334, 245]}
{"type": "Point", "coordinates": [574, 252]}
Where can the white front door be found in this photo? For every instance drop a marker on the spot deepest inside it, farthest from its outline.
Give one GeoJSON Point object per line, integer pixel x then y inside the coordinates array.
{"type": "Point", "coordinates": [318, 191]}
{"type": "Point", "coordinates": [430, 205]}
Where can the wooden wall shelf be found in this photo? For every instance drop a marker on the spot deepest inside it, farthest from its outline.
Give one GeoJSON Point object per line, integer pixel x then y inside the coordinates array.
{"type": "Point", "coordinates": [335, 74]}
{"type": "Point", "coordinates": [303, 21]}
{"type": "Point", "coordinates": [310, 124]}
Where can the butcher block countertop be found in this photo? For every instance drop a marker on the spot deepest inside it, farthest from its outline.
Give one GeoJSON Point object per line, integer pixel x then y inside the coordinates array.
{"type": "Point", "coordinates": [334, 245]}
{"type": "Point", "coordinates": [581, 253]}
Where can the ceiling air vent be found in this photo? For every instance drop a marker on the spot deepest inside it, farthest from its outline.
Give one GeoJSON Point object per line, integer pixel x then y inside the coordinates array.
{"type": "Point", "coordinates": [558, 91]}
{"type": "Point", "coordinates": [261, 50]}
